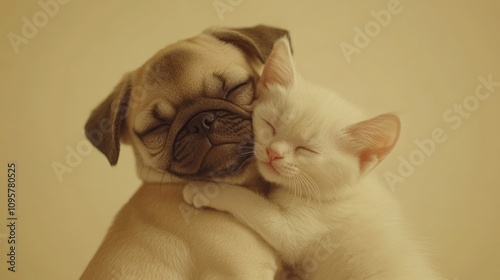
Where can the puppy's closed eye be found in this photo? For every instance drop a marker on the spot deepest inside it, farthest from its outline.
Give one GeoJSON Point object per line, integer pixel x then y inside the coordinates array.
{"type": "Point", "coordinates": [154, 137]}
{"type": "Point", "coordinates": [242, 93]}
{"type": "Point", "coordinates": [154, 129]}
{"type": "Point", "coordinates": [155, 133]}
{"type": "Point", "coordinates": [155, 121]}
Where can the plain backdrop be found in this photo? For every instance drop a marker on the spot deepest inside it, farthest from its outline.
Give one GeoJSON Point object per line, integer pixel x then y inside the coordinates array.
{"type": "Point", "coordinates": [423, 63]}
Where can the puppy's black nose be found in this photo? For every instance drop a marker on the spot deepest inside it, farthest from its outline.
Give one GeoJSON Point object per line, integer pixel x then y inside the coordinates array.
{"type": "Point", "coordinates": [201, 123]}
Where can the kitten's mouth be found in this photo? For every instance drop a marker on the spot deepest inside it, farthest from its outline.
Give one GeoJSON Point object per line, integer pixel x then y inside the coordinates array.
{"type": "Point", "coordinates": [269, 165]}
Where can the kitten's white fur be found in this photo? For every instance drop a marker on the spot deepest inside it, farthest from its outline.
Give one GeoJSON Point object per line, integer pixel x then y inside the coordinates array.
{"type": "Point", "coordinates": [328, 217]}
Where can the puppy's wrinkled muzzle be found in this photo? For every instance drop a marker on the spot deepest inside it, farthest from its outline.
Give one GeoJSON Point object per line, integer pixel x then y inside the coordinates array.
{"type": "Point", "coordinates": [210, 145]}
{"type": "Point", "coordinates": [201, 124]}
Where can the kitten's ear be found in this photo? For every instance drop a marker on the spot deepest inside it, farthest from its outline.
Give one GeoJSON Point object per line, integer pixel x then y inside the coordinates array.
{"type": "Point", "coordinates": [373, 139]}
{"type": "Point", "coordinates": [279, 68]}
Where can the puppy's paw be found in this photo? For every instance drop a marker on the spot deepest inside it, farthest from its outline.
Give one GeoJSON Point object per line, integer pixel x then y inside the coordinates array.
{"type": "Point", "coordinates": [193, 194]}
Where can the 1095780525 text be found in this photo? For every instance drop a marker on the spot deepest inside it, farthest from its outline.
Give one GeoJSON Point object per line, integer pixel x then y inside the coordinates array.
{"type": "Point", "coordinates": [11, 216]}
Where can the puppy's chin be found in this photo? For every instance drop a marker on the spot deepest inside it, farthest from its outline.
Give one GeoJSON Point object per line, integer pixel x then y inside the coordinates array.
{"type": "Point", "coordinates": [248, 177]}
{"type": "Point", "coordinates": [215, 162]}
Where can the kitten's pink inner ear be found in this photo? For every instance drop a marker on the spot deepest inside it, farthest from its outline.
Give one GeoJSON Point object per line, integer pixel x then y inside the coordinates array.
{"type": "Point", "coordinates": [373, 139]}
{"type": "Point", "coordinates": [279, 67]}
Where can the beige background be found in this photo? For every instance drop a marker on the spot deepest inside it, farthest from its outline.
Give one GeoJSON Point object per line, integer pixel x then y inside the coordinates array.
{"type": "Point", "coordinates": [427, 58]}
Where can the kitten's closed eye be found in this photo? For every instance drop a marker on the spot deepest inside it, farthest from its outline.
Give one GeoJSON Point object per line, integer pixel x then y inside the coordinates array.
{"type": "Point", "coordinates": [305, 149]}
{"type": "Point", "coordinates": [271, 126]}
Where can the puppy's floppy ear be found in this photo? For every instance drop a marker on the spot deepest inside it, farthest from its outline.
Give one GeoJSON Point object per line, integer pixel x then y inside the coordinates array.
{"type": "Point", "coordinates": [104, 126]}
{"type": "Point", "coordinates": [256, 41]}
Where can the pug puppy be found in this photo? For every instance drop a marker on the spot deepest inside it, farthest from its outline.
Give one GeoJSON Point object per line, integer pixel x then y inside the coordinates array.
{"type": "Point", "coordinates": [187, 114]}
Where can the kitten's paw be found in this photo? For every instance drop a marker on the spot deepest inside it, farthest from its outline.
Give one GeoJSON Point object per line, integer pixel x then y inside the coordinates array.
{"type": "Point", "coordinates": [193, 194]}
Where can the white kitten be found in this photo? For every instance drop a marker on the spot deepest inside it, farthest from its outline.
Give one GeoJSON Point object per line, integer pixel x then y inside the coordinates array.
{"type": "Point", "coordinates": [328, 218]}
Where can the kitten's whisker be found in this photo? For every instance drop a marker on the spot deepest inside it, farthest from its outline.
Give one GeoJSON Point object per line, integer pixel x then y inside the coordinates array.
{"type": "Point", "coordinates": [244, 162]}
{"type": "Point", "coordinates": [147, 175]}
{"type": "Point", "coordinates": [297, 190]}
{"type": "Point", "coordinates": [293, 187]}
{"type": "Point", "coordinates": [310, 190]}
{"type": "Point", "coordinates": [142, 167]}
{"type": "Point", "coordinates": [245, 154]}
{"type": "Point", "coordinates": [310, 184]}
{"type": "Point", "coordinates": [161, 181]}
{"type": "Point", "coordinates": [306, 187]}
{"type": "Point", "coordinates": [298, 185]}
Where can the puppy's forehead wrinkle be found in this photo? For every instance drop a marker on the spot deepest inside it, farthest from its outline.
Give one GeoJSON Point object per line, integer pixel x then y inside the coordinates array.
{"type": "Point", "coordinates": [165, 110]}
{"type": "Point", "coordinates": [231, 74]}
{"type": "Point", "coordinates": [171, 66]}
{"type": "Point", "coordinates": [221, 80]}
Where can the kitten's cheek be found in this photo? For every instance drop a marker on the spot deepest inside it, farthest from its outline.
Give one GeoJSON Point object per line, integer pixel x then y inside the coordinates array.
{"type": "Point", "coordinates": [260, 152]}
{"type": "Point", "coordinates": [264, 135]}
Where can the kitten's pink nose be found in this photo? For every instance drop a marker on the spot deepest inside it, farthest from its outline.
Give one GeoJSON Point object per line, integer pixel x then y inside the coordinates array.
{"type": "Point", "coordinates": [272, 155]}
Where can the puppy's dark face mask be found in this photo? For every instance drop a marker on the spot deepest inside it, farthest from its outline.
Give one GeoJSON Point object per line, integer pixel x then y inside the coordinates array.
{"type": "Point", "coordinates": [212, 143]}
{"type": "Point", "coordinates": [187, 111]}
{"type": "Point", "coordinates": [197, 124]}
